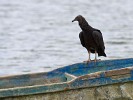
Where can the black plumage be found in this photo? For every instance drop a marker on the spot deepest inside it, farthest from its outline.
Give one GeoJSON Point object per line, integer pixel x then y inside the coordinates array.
{"type": "Point", "coordinates": [90, 38]}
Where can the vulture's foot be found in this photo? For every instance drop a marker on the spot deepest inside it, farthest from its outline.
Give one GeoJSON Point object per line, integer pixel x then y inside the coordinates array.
{"type": "Point", "coordinates": [87, 61]}
{"type": "Point", "coordinates": [95, 60]}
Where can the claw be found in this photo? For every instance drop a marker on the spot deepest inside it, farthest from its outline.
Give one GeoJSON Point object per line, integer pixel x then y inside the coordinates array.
{"type": "Point", "coordinates": [87, 61]}
{"type": "Point", "coordinates": [95, 60]}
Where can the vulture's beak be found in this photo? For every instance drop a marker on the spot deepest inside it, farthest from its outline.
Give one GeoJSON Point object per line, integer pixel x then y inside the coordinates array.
{"type": "Point", "coordinates": [74, 20]}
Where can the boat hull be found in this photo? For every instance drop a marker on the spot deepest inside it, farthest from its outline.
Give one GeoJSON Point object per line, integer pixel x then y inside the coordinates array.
{"type": "Point", "coordinates": [104, 80]}
{"type": "Point", "coordinates": [122, 91]}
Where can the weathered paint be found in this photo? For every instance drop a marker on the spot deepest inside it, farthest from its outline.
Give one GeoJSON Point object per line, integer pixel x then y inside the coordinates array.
{"type": "Point", "coordinates": [77, 76]}
{"type": "Point", "coordinates": [108, 92]}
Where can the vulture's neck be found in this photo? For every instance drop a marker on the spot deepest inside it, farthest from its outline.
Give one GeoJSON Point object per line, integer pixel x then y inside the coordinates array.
{"type": "Point", "coordinates": [85, 26]}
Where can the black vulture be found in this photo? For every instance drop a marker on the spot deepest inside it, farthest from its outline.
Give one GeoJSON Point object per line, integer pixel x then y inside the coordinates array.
{"type": "Point", "coordinates": [91, 38]}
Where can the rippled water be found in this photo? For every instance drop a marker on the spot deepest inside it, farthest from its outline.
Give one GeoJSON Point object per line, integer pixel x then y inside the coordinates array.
{"type": "Point", "coordinates": [38, 35]}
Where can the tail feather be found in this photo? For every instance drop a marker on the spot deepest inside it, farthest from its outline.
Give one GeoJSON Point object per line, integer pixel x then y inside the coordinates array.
{"type": "Point", "coordinates": [102, 54]}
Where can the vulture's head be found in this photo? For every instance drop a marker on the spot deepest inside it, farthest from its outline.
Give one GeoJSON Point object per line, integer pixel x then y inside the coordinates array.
{"type": "Point", "coordinates": [79, 18]}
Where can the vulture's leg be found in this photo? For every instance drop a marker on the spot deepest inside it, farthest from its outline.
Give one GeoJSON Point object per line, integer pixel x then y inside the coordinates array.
{"type": "Point", "coordinates": [95, 55]}
{"type": "Point", "coordinates": [89, 59]}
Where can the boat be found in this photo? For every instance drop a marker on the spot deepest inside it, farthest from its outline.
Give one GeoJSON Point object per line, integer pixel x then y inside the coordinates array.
{"type": "Point", "coordinates": [101, 80]}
